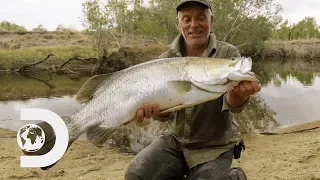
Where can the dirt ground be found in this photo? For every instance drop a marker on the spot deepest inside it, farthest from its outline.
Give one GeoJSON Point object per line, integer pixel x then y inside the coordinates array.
{"type": "Point", "coordinates": [292, 154]}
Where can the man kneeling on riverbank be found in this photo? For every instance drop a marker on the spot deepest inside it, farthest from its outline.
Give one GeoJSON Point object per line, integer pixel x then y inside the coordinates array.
{"type": "Point", "coordinates": [202, 139]}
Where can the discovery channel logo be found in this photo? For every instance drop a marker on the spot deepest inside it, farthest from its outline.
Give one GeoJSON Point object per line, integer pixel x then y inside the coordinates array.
{"type": "Point", "coordinates": [31, 137]}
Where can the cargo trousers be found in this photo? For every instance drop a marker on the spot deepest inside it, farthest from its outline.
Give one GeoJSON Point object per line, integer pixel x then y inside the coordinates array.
{"type": "Point", "coordinates": [160, 162]}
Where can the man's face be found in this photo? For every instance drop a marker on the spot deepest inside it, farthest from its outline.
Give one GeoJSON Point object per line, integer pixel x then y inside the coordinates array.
{"type": "Point", "coordinates": [194, 24]}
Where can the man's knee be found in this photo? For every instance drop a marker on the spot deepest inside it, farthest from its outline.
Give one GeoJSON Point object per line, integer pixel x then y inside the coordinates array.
{"type": "Point", "coordinates": [129, 175]}
{"type": "Point", "coordinates": [142, 164]}
{"type": "Point", "coordinates": [156, 161]}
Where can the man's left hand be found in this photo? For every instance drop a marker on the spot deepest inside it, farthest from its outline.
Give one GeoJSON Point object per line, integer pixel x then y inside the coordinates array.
{"type": "Point", "coordinates": [239, 94]}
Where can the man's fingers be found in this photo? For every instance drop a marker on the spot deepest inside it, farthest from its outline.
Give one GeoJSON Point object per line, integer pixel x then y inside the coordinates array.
{"type": "Point", "coordinates": [248, 86]}
{"type": "Point", "coordinates": [156, 110]}
{"type": "Point", "coordinates": [147, 110]}
{"type": "Point", "coordinates": [256, 86]}
{"type": "Point", "coordinates": [242, 87]}
{"type": "Point", "coordinates": [236, 89]}
{"type": "Point", "coordinates": [140, 115]}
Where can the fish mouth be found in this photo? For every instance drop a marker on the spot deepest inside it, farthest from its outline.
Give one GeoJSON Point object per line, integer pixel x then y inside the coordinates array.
{"type": "Point", "coordinates": [255, 75]}
{"type": "Point", "coordinates": [238, 76]}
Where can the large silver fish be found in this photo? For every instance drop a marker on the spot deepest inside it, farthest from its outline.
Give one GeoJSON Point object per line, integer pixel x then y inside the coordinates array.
{"type": "Point", "coordinates": [172, 83]}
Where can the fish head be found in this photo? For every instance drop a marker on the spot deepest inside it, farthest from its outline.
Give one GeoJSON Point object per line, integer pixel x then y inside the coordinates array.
{"type": "Point", "coordinates": [225, 70]}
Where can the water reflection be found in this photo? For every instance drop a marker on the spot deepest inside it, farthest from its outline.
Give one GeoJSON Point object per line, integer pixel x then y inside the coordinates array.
{"type": "Point", "coordinates": [10, 111]}
{"type": "Point", "coordinates": [291, 90]}
{"type": "Point", "coordinates": [19, 87]}
{"type": "Point", "coordinates": [42, 90]}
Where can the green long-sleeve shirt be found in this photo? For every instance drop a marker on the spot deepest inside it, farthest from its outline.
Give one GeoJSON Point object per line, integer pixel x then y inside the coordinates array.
{"type": "Point", "coordinates": [204, 131]}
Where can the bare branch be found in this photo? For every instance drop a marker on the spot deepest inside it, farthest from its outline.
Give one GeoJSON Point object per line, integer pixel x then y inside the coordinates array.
{"type": "Point", "coordinates": [115, 38]}
{"type": "Point", "coordinates": [240, 10]}
{"type": "Point", "coordinates": [34, 64]}
{"type": "Point", "coordinates": [88, 60]}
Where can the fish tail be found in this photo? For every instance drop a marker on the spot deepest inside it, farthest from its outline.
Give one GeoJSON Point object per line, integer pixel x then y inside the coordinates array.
{"type": "Point", "coordinates": [98, 135]}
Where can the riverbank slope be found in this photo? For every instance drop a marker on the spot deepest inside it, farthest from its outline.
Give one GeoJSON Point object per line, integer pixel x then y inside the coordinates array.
{"type": "Point", "coordinates": [18, 49]}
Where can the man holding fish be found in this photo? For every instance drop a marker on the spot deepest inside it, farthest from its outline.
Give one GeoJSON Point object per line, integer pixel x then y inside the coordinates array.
{"type": "Point", "coordinates": [202, 140]}
{"type": "Point", "coordinates": [194, 86]}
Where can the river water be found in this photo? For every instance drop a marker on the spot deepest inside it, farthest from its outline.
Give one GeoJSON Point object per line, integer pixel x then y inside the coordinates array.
{"type": "Point", "coordinates": [289, 96]}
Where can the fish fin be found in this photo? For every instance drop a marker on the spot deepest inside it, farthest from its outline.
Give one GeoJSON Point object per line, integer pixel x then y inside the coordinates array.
{"type": "Point", "coordinates": [176, 108]}
{"type": "Point", "coordinates": [97, 135]}
{"type": "Point", "coordinates": [198, 96]}
{"type": "Point", "coordinates": [180, 86]}
{"type": "Point", "coordinates": [216, 81]}
{"type": "Point", "coordinates": [87, 90]}
{"type": "Point", "coordinates": [218, 88]}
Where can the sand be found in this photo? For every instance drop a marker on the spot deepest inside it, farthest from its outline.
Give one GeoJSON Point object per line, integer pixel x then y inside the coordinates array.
{"type": "Point", "coordinates": [267, 157]}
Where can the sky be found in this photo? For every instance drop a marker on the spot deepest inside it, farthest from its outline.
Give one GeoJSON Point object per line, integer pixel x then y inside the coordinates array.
{"type": "Point", "coordinates": [50, 13]}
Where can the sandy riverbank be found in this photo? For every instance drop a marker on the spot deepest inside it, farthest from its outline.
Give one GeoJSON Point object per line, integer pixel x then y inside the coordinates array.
{"type": "Point", "coordinates": [270, 157]}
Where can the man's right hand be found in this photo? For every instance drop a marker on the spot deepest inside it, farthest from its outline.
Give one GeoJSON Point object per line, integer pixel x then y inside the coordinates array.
{"type": "Point", "coordinates": [147, 112]}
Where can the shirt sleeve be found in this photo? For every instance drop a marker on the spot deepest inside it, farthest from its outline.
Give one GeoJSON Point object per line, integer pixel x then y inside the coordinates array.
{"type": "Point", "coordinates": [233, 52]}
{"type": "Point", "coordinates": [170, 116]}
{"type": "Point", "coordinates": [227, 107]}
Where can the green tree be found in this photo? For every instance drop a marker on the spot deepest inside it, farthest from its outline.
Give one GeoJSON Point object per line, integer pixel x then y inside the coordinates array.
{"type": "Point", "coordinates": [306, 29]}
{"type": "Point", "coordinates": [284, 32]}
{"type": "Point", "coordinates": [235, 21]}
{"type": "Point", "coordinates": [122, 19]}
{"type": "Point", "coordinates": [231, 17]}
{"type": "Point", "coordinates": [39, 28]}
{"type": "Point", "coordinates": [7, 26]}
{"type": "Point", "coordinates": [97, 23]}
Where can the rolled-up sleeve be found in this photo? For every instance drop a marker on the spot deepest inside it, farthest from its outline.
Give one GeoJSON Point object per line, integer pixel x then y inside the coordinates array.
{"type": "Point", "coordinates": [226, 106]}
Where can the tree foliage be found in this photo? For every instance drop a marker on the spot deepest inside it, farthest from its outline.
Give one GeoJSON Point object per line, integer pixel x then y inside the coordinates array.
{"type": "Point", "coordinates": [7, 26]}
{"type": "Point", "coordinates": [97, 22]}
{"type": "Point", "coordinates": [39, 28]}
{"type": "Point", "coordinates": [62, 28]}
{"type": "Point", "coordinates": [307, 28]}
{"type": "Point", "coordinates": [235, 20]}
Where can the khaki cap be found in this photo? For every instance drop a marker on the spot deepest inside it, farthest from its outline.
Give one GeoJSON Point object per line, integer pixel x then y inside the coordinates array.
{"type": "Point", "coordinates": [203, 2]}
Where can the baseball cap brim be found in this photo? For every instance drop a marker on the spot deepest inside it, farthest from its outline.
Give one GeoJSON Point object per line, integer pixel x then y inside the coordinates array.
{"type": "Point", "coordinates": [205, 3]}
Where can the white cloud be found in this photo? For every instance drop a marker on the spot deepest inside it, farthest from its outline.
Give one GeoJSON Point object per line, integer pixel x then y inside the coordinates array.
{"type": "Point", "coordinates": [296, 10]}
{"type": "Point", "coordinates": [49, 13]}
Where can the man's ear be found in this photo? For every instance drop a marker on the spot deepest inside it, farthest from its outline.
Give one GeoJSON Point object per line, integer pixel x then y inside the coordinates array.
{"type": "Point", "coordinates": [177, 23]}
{"type": "Point", "coordinates": [212, 21]}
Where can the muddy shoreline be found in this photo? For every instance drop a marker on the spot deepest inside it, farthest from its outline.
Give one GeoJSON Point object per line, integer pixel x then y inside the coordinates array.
{"type": "Point", "coordinates": [273, 157]}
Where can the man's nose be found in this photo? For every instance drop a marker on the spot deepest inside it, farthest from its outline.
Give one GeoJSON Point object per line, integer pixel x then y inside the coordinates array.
{"type": "Point", "coordinates": [194, 22]}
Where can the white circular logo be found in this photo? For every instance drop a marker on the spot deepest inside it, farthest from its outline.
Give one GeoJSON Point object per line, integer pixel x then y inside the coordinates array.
{"type": "Point", "coordinates": [30, 137]}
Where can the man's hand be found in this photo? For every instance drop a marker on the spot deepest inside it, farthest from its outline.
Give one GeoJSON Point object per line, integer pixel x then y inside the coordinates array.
{"type": "Point", "coordinates": [147, 112]}
{"type": "Point", "coordinates": [239, 94]}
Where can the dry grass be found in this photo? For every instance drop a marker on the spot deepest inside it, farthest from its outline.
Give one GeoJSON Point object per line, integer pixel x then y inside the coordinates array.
{"type": "Point", "coordinates": [16, 58]}
{"type": "Point", "coordinates": [293, 49]}
{"type": "Point", "coordinates": [13, 41]}
{"type": "Point", "coordinates": [17, 48]}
